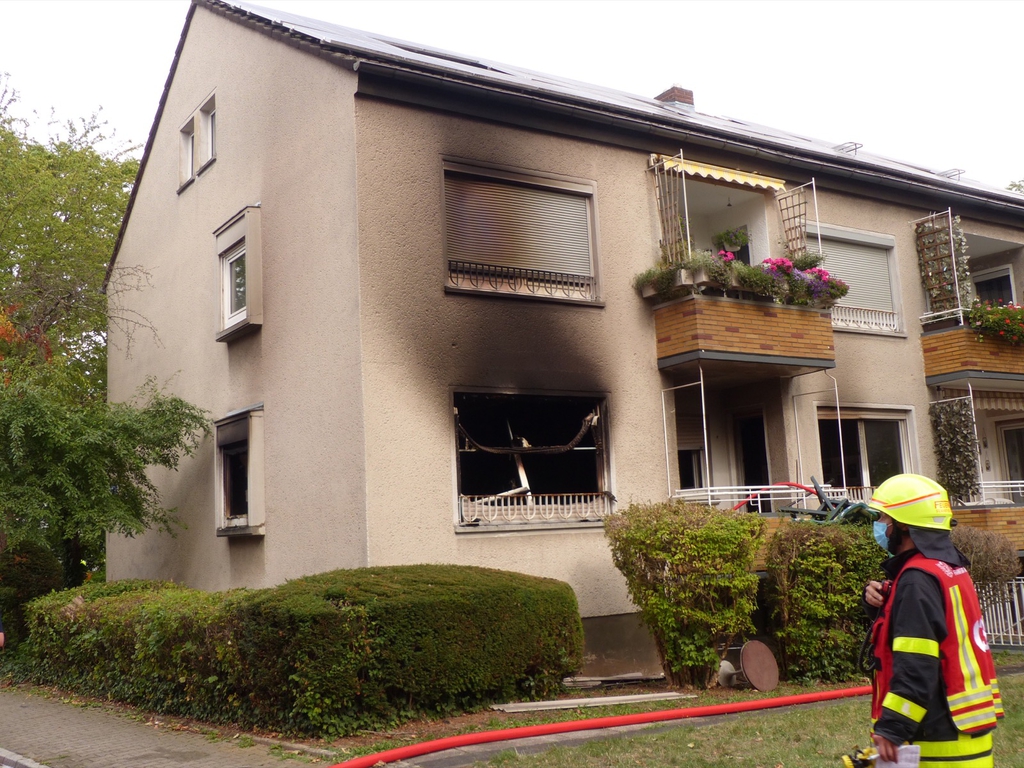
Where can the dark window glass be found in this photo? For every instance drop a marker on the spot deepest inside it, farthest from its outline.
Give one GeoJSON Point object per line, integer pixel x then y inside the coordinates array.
{"type": "Point", "coordinates": [236, 479]}
{"type": "Point", "coordinates": [995, 289]}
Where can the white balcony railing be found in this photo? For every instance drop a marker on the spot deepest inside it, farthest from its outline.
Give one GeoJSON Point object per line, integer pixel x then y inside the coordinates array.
{"type": "Point", "coordinates": [763, 499]}
{"type": "Point", "coordinates": [534, 508]}
{"type": "Point", "coordinates": [865, 319]}
{"type": "Point", "coordinates": [1003, 607]}
{"type": "Point", "coordinates": [998, 492]}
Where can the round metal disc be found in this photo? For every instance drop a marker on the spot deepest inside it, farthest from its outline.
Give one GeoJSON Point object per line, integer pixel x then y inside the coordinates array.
{"type": "Point", "coordinates": [759, 666]}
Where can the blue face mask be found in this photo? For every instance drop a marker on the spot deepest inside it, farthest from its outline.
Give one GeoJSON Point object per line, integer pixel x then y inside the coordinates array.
{"type": "Point", "coordinates": [881, 536]}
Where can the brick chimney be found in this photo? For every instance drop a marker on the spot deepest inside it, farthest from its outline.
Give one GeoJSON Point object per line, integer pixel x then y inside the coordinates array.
{"type": "Point", "coordinates": [676, 95]}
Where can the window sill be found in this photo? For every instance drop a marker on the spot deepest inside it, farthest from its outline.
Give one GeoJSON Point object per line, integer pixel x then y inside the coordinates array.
{"type": "Point", "coordinates": [242, 531]}
{"type": "Point", "coordinates": [186, 184]}
{"type": "Point", "coordinates": [204, 166]}
{"type": "Point", "coordinates": [239, 329]}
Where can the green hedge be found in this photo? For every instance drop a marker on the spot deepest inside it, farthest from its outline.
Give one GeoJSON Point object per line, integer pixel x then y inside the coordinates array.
{"type": "Point", "coordinates": [325, 655]}
{"type": "Point", "coordinates": [816, 577]}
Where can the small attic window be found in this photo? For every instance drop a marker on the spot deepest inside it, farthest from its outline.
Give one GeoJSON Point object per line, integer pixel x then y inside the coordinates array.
{"type": "Point", "coordinates": [187, 153]}
{"type": "Point", "coordinates": [197, 143]}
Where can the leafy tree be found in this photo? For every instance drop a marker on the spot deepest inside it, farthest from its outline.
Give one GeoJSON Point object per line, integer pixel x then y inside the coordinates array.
{"type": "Point", "coordinates": [1016, 186]}
{"type": "Point", "coordinates": [72, 466]}
{"type": "Point", "coordinates": [61, 205]}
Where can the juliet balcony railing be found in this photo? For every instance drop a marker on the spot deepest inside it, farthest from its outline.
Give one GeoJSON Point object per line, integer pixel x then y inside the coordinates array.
{"type": "Point", "coordinates": [530, 282]}
{"type": "Point", "coordinates": [535, 508]}
{"type": "Point", "coordinates": [865, 319]}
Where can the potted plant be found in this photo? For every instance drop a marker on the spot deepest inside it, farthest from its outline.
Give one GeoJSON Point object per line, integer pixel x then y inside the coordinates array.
{"type": "Point", "coordinates": [731, 240]}
{"type": "Point", "coordinates": [706, 268]}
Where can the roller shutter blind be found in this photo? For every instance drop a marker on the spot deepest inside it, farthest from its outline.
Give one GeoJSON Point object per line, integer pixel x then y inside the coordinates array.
{"type": "Point", "coordinates": [510, 225]}
{"type": "Point", "coordinates": [864, 268]}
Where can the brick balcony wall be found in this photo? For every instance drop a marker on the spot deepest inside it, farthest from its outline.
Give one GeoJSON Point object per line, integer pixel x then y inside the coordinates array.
{"type": "Point", "coordinates": [744, 327]}
{"type": "Point", "coordinates": [959, 349]}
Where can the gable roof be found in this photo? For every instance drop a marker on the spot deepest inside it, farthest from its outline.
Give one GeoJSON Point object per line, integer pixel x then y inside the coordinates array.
{"type": "Point", "coordinates": [371, 53]}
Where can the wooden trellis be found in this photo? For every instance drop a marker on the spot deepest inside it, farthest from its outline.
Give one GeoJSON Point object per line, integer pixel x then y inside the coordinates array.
{"type": "Point", "coordinates": [937, 254]}
{"type": "Point", "coordinates": [670, 186]}
{"type": "Point", "coordinates": [794, 210]}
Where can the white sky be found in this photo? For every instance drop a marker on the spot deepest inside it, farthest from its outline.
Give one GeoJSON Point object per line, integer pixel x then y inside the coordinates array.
{"type": "Point", "coordinates": [934, 83]}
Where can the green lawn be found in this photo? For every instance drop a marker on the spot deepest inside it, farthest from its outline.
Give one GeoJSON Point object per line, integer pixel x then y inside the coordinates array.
{"type": "Point", "coordinates": [793, 738]}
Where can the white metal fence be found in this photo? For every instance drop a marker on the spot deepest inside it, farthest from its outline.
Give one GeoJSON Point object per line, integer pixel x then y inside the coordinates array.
{"type": "Point", "coordinates": [1003, 608]}
{"type": "Point", "coordinates": [768, 499]}
{"type": "Point", "coordinates": [996, 492]}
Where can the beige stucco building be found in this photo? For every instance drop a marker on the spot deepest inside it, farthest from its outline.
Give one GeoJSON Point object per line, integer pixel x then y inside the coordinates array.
{"type": "Point", "coordinates": [392, 274]}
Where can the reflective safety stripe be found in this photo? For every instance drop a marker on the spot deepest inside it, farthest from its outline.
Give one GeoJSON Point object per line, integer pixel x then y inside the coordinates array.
{"type": "Point", "coordinates": [965, 752]}
{"type": "Point", "coordinates": [976, 719]}
{"type": "Point", "coordinates": [966, 698]}
{"type": "Point", "coordinates": [920, 645]}
{"type": "Point", "coordinates": [965, 745]}
{"type": "Point", "coordinates": [968, 661]}
{"type": "Point", "coordinates": [903, 706]}
{"type": "Point", "coordinates": [997, 699]}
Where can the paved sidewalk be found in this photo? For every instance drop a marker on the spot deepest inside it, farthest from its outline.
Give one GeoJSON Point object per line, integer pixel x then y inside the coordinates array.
{"type": "Point", "coordinates": [39, 731]}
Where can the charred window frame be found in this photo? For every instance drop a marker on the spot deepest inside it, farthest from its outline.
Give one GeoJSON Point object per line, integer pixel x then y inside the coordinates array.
{"type": "Point", "coordinates": [239, 470]}
{"type": "Point", "coordinates": [531, 458]}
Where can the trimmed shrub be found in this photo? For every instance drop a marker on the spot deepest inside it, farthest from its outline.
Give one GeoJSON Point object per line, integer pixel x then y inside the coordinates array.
{"type": "Point", "coordinates": [817, 574]}
{"type": "Point", "coordinates": [993, 556]}
{"type": "Point", "coordinates": [689, 568]}
{"type": "Point", "coordinates": [27, 571]}
{"type": "Point", "coordinates": [321, 656]}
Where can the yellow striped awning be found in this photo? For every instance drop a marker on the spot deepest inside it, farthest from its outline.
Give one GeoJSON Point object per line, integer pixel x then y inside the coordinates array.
{"type": "Point", "coordinates": [990, 401]}
{"type": "Point", "coordinates": [719, 173]}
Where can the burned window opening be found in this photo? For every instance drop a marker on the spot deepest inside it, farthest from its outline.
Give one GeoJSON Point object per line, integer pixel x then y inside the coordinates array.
{"type": "Point", "coordinates": [529, 444]}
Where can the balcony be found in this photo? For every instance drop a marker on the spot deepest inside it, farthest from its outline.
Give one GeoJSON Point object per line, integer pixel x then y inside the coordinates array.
{"type": "Point", "coordinates": [750, 338]}
{"type": "Point", "coordinates": [955, 356]}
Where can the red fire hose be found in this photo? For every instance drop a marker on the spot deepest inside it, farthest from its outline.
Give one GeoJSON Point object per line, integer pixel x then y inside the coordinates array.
{"type": "Point", "coordinates": [484, 737]}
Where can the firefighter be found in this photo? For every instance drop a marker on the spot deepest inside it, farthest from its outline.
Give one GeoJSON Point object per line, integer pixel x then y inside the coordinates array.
{"type": "Point", "coordinates": [934, 680]}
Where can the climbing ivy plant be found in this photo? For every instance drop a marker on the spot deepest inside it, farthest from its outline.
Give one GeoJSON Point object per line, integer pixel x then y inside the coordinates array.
{"type": "Point", "coordinates": [956, 446]}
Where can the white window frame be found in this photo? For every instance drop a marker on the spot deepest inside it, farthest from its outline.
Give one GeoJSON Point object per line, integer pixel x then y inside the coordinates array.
{"type": "Point", "coordinates": [207, 133]}
{"type": "Point", "coordinates": [228, 261]}
{"type": "Point", "coordinates": [244, 426]}
{"type": "Point", "coordinates": [847, 317]}
{"type": "Point", "coordinates": [464, 274]}
{"type": "Point", "coordinates": [187, 153]}
{"type": "Point", "coordinates": [240, 236]}
{"type": "Point", "coordinates": [197, 142]}
{"type": "Point", "coordinates": [903, 417]}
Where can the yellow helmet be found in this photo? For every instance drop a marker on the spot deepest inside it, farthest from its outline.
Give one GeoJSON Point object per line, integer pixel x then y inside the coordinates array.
{"type": "Point", "coordinates": [914, 500]}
